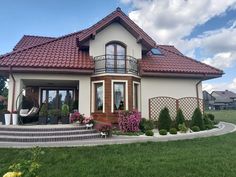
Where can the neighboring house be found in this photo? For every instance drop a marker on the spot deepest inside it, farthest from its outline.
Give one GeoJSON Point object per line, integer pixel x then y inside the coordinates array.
{"type": "Point", "coordinates": [208, 100]}
{"type": "Point", "coordinates": [224, 99]}
{"type": "Point", "coordinates": [112, 65]}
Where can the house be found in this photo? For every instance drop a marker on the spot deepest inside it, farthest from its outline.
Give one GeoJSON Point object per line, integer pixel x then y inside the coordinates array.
{"type": "Point", "coordinates": [208, 100]}
{"type": "Point", "coordinates": [224, 99]}
{"type": "Point", "coordinates": [110, 66]}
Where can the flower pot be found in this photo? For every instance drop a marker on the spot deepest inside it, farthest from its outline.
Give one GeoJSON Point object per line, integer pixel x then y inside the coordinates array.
{"type": "Point", "coordinates": [89, 126]}
{"type": "Point", "coordinates": [14, 119]}
{"type": "Point", "coordinates": [7, 119]}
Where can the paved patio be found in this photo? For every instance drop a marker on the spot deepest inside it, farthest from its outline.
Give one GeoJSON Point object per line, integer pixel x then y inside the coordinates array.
{"type": "Point", "coordinates": [223, 128]}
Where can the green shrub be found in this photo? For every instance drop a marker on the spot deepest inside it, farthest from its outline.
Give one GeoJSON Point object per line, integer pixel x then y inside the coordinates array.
{"type": "Point", "coordinates": [43, 111]}
{"type": "Point", "coordinates": [173, 131]}
{"type": "Point", "coordinates": [65, 110]}
{"type": "Point", "coordinates": [163, 132]}
{"type": "Point", "coordinates": [179, 117]}
{"type": "Point", "coordinates": [182, 128]}
{"type": "Point", "coordinates": [164, 120]}
{"type": "Point", "coordinates": [208, 124]}
{"type": "Point", "coordinates": [195, 129]}
{"type": "Point", "coordinates": [146, 125]}
{"type": "Point", "coordinates": [149, 133]}
{"type": "Point", "coordinates": [211, 116]}
{"type": "Point", "coordinates": [142, 124]}
{"type": "Point", "coordinates": [197, 119]}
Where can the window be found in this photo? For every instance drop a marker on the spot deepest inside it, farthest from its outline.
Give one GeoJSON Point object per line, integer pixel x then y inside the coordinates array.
{"type": "Point", "coordinates": [156, 51]}
{"type": "Point", "coordinates": [98, 96]}
{"type": "Point", "coordinates": [135, 96]}
{"type": "Point", "coordinates": [115, 57]}
{"type": "Point", "coordinates": [55, 98]}
{"type": "Point", "coordinates": [119, 96]}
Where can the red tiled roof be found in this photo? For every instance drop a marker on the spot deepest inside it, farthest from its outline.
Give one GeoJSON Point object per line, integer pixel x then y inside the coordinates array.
{"type": "Point", "coordinates": [63, 53]}
{"type": "Point", "coordinates": [29, 41]}
{"type": "Point", "coordinates": [173, 61]}
{"type": "Point", "coordinates": [134, 29]}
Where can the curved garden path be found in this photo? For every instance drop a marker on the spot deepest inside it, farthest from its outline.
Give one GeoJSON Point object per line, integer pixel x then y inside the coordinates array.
{"type": "Point", "coordinates": [223, 128]}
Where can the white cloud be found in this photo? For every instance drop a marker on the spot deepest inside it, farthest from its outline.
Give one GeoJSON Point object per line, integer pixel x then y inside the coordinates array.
{"type": "Point", "coordinates": [169, 21]}
{"type": "Point", "coordinates": [220, 86]}
{"type": "Point", "coordinates": [221, 60]}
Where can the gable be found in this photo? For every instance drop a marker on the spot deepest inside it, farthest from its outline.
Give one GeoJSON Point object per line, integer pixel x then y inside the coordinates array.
{"type": "Point", "coordinates": [115, 32]}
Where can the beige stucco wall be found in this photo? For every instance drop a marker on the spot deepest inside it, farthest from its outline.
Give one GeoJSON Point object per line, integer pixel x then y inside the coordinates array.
{"type": "Point", "coordinates": [115, 32]}
{"type": "Point", "coordinates": [84, 87]}
{"type": "Point", "coordinates": [171, 87]}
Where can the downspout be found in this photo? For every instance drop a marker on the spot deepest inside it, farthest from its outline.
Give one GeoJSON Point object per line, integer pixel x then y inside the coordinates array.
{"type": "Point", "coordinates": [14, 85]}
{"type": "Point", "coordinates": [197, 94]}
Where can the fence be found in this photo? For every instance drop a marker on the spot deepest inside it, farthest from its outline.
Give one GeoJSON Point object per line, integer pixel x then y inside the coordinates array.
{"type": "Point", "coordinates": [186, 104]}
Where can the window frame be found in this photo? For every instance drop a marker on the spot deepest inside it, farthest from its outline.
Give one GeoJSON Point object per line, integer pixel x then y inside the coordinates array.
{"type": "Point", "coordinates": [126, 104]}
{"type": "Point", "coordinates": [93, 104]}
{"type": "Point", "coordinates": [116, 60]}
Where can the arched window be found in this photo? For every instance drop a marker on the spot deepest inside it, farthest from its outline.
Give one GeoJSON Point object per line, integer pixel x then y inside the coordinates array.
{"type": "Point", "coordinates": [115, 57]}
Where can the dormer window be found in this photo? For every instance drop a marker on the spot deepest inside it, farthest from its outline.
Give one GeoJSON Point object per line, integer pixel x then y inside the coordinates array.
{"type": "Point", "coordinates": [116, 57]}
{"type": "Point", "coordinates": [156, 51]}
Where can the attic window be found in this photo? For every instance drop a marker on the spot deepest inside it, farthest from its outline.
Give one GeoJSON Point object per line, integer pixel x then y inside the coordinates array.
{"type": "Point", "coordinates": [156, 51]}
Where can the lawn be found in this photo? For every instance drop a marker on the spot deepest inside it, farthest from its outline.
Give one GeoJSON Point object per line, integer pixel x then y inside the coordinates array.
{"type": "Point", "coordinates": [210, 157]}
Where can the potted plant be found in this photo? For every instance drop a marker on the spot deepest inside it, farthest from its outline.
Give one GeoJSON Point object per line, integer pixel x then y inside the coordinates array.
{"type": "Point", "coordinates": [43, 115]}
{"type": "Point", "coordinates": [65, 114]}
{"type": "Point", "coordinates": [76, 117]}
{"type": "Point", "coordinates": [54, 115]}
{"type": "Point", "coordinates": [89, 122]}
{"type": "Point", "coordinates": [106, 130]}
{"type": "Point", "coordinates": [7, 117]}
{"type": "Point", "coordinates": [14, 118]}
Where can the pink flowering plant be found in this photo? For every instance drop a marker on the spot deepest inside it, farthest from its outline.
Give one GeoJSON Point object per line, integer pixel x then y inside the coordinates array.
{"type": "Point", "coordinates": [77, 117]}
{"type": "Point", "coordinates": [88, 120]}
{"type": "Point", "coordinates": [129, 121]}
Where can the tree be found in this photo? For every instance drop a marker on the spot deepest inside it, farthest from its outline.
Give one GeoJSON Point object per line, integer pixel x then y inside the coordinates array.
{"type": "Point", "coordinates": [3, 89]}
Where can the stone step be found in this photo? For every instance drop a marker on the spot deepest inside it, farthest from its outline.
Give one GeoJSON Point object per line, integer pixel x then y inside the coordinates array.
{"type": "Point", "coordinates": [49, 138]}
{"type": "Point", "coordinates": [47, 133]}
{"type": "Point", "coordinates": [42, 128]}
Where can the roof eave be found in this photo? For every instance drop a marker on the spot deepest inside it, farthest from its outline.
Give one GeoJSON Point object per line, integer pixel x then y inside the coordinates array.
{"type": "Point", "coordinates": [202, 76]}
{"type": "Point", "coordinates": [85, 71]}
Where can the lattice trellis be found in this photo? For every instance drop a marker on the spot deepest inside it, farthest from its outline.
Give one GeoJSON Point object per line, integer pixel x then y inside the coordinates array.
{"type": "Point", "coordinates": [186, 104]}
{"type": "Point", "coordinates": [158, 103]}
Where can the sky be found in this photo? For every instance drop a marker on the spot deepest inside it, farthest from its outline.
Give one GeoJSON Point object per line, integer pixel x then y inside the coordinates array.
{"type": "Point", "coordinates": [204, 30]}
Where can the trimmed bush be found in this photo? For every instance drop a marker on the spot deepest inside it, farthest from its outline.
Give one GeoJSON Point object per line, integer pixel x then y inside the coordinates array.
{"type": "Point", "coordinates": [173, 131]}
{"type": "Point", "coordinates": [142, 124]}
{"type": "Point", "coordinates": [211, 116]}
{"type": "Point", "coordinates": [197, 119]}
{"type": "Point", "coordinates": [149, 133]}
{"type": "Point", "coordinates": [182, 128]}
{"type": "Point", "coordinates": [195, 129]}
{"type": "Point", "coordinates": [208, 124]}
{"type": "Point", "coordinates": [164, 121]}
{"type": "Point", "coordinates": [179, 117]}
{"type": "Point", "coordinates": [163, 132]}
{"type": "Point", "coordinates": [146, 125]}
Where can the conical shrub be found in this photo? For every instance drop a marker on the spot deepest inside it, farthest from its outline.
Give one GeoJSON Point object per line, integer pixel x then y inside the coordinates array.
{"type": "Point", "coordinates": [179, 117]}
{"type": "Point", "coordinates": [164, 121]}
{"type": "Point", "coordinates": [197, 119]}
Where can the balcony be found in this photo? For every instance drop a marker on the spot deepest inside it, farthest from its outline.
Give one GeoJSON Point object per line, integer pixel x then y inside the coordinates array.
{"type": "Point", "coordinates": [122, 64]}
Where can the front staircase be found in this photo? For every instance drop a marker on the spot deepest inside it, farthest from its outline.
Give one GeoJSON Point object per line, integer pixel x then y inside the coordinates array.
{"type": "Point", "coordinates": [47, 133]}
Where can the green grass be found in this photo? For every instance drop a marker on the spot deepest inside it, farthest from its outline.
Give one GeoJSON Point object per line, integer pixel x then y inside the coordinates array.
{"type": "Point", "coordinates": [225, 115]}
{"type": "Point", "coordinates": [206, 157]}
